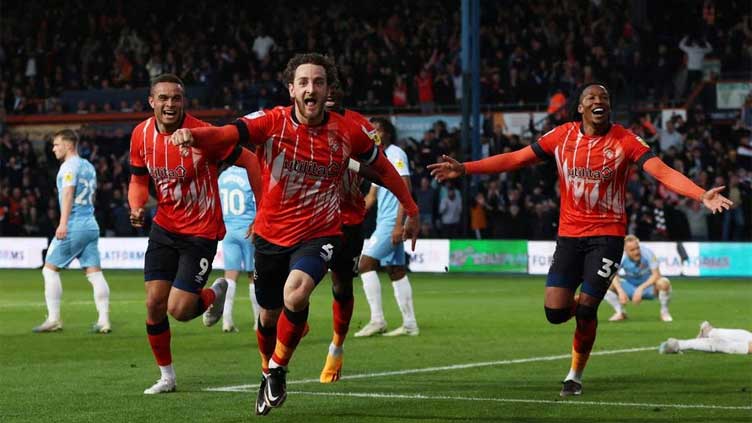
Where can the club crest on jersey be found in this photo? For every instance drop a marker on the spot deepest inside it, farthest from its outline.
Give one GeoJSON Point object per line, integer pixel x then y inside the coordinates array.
{"type": "Point", "coordinates": [333, 144]}
{"type": "Point", "coordinates": [159, 173]}
{"type": "Point", "coordinates": [584, 173]}
{"type": "Point", "coordinates": [608, 153]}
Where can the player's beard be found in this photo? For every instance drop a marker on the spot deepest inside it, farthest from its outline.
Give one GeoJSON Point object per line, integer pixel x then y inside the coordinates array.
{"type": "Point", "coordinates": [315, 115]}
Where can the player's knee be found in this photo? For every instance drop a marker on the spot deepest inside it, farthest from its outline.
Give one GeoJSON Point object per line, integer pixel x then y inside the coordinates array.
{"type": "Point", "coordinates": [586, 312]}
{"type": "Point", "coordinates": [663, 284]}
{"type": "Point", "coordinates": [156, 305]}
{"type": "Point", "coordinates": [558, 315]}
{"type": "Point", "coordinates": [181, 311]}
{"type": "Point", "coordinates": [366, 264]}
{"type": "Point", "coordinates": [397, 272]}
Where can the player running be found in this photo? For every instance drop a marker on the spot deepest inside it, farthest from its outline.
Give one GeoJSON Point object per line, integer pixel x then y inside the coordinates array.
{"type": "Point", "coordinates": [638, 278]}
{"type": "Point", "coordinates": [344, 264]}
{"type": "Point", "coordinates": [304, 151]}
{"type": "Point", "coordinates": [77, 235]}
{"type": "Point", "coordinates": [188, 223]}
{"type": "Point", "coordinates": [594, 159]}
{"type": "Point", "coordinates": [386, 248]}
{"type": "Point", "coordinates": [238, 212]}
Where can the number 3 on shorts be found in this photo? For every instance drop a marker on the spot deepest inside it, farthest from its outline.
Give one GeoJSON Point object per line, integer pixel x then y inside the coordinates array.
{"type": "Point", "coordinates": [608, 268]}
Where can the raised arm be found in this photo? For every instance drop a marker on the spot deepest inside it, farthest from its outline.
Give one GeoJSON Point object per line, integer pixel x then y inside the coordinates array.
{"type": "Point", "coordinates": [680, 184]}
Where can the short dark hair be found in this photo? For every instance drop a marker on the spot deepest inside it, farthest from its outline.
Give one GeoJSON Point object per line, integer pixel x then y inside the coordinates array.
{"type": "Point", "coordinates": [314, 59]}
{"type": "Point", "coordinates": [68, 135]}
{"type": "Point", "coordinates": [575, 100]}
{"type": "Point", "coordinates": [165, 77]}
{"type": "Point", "coordinates": [388, 127]}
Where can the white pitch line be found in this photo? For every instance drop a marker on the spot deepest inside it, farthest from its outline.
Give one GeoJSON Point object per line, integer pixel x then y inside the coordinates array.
{"type": "Point", "coordinates": [244, 388]}
{"type": "Point", "coordinates": [29, 304]}
{"type": "Point", "coordinates": [516, 400]}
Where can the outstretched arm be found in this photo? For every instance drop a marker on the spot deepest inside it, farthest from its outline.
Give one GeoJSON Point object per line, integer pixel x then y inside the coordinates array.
{"type": "Point", "coordinates": [680, 184]}
{"type": "Point", "coordinates": [449, 168]}
{"type": "Point", "coordinates": [207, 138]}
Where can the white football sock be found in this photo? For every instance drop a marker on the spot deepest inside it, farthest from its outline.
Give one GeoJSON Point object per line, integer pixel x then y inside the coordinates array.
{"type": "Point", "coordinates": [714, 345]}
{"type": "Point", "coordinates": [254, 303]}
{"type": "Point", "coordinates": [735, 335]}
{"type": "Point", "coordinates": [372, 288]}
{"type": "Point", "coordinates": [53, 292]}
{"type": "Point", "coordinates": [335, 350]}
{"type": "Point", "coordinates": [613, 299]}
{"type": "Point", "coordinates": [664, 297]}
{"type": "Point", "coordinates": [574, 375]}
{"type": "Point", "coordinates": [403, 292]}
{"type": "Point", "coordinates": [101, 295]}
{"type": "Point", "coordinates": [273, 364]}
{"type": "Point", "coordinates": [167, 372]}
{"type": "Point", "coordinates": [229, 301]}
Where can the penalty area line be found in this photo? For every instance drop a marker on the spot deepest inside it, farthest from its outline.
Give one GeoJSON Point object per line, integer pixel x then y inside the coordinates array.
{"type": "Point", "coordinates": [380, 395]}
{"type": "Point", "coordinates": [245, 388]}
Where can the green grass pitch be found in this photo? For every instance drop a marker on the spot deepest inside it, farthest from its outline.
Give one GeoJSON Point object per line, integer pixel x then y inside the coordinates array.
{"type": "Point", "coordinates": [485, 353]}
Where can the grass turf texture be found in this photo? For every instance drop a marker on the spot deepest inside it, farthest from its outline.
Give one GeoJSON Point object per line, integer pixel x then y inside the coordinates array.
{"type": "Point", "coordinates": [77, 376]}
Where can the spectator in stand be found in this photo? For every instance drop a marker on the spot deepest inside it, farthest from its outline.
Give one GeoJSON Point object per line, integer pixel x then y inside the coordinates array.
{"type": "Point", "coordinates": [695, 48]}
{"type": "Point", "coordinates": [425, 197]}
{"type": "Point", "coordinates": [733, 221]}
{"type": "Point", "coordinates": [478, 220]}
{"type": "Point", "coordinates": [450, 212]}
{"type": "Point", "coordinates": [669, 137]}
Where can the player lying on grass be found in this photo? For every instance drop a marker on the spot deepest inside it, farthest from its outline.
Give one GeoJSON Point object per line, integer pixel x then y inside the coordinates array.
{"type": "Point", "coordinates": [711, 339]}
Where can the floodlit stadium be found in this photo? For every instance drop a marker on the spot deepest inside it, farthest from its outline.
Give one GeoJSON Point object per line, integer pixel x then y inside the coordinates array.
{"type": "Point", "coordinates": [441, 211]}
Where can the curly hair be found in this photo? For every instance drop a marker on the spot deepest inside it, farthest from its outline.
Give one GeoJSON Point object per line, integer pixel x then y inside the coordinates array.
{"type": "Point", "coordinates": [314, 59]}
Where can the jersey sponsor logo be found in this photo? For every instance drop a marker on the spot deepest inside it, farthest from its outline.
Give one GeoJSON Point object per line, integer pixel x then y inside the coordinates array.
{"type": "Point", "coordinates": [159, 173]}
{"type": "Point", "coordinates": [584, 173]}
{"type": "Point", "coordinates": [312, 168]}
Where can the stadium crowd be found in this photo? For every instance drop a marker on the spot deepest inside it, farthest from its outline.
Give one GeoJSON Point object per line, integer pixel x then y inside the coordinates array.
{"type": "Point", "coordinates": [404, 55]}
{"type": "Point", "coordinates": [522, 205]}
{"type": "Point", "coordinates": [398, 57]}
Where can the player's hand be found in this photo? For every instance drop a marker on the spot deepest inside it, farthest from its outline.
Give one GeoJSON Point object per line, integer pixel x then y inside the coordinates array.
{"type": "Point", "coordinates": [411, 229]}
{"type": "Point", "coordinates": [714, 201]}
{"type": "Point", "coordinates": [182, 138]}
{"type": "Point", "coordinates": [446, 168]}
{"type": "Point", "coordinates": [397, 233]}
{"type": "Point", "coordinates": [637, 297]}
{"type": "Point", "coordinates": [623, 298]}
{"type": "Point", "coordinates": [249, 232]}
{"type": "Point", "coordinates": [61, 232]}
{"type": "Point", "coordinates": [137, 218]}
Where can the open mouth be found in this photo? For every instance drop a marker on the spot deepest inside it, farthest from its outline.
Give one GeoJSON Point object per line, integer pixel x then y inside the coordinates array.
{"type": "Point", "coordinates": [309, 102]}
{"type": "Point", "coordinates": [599, 111]}
{"type": "Point", "coordinates": [170, 113]}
